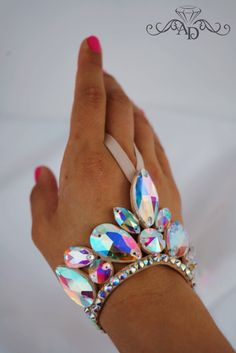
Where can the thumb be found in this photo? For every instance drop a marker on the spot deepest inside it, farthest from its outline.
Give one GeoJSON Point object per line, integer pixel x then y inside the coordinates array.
{"type": "Point", "coordinates": [44, 195]}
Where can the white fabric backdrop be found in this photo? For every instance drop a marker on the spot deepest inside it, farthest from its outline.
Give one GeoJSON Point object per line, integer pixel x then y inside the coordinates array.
{"type": "Point", "coordinates": [187, 88]}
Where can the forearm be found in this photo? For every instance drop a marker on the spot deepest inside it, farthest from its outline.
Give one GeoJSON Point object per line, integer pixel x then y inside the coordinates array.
{"type": "Point", "coordinates": [156, 311]}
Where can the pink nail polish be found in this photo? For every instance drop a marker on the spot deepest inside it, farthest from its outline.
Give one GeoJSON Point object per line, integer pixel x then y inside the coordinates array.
{"type": "Point", "coordinates": [94, 44]}
{"type": "Point", "coordinates": [37, 173]}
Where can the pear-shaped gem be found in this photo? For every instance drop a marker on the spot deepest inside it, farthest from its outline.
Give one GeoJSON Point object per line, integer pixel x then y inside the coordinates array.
{"type": "Point", "coordinates": [163, 219]}
{"type": "Point", "coordinates": [177, 240]}
{"type": "Point", "coordinates": [78, 256]}
{"type": "Point", "coordinates": [113, 243]}
{"type": "Point", "coordinates": [100, 271]}
{"type": "Point", "coordinates": [76, 285]}
{"type": "Point", "coordinates": [144, 198]}
{"type": "Point", "coordinates": [152, 241]}
{"type": "Point", "coordinates": [126, 220]}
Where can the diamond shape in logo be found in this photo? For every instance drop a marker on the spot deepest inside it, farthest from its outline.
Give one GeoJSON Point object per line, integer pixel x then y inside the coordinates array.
{"type": "Point", "coordinates": [188, 13]}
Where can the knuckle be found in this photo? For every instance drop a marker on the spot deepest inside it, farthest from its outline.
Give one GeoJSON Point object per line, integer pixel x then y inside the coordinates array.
{"type": "Point", "coordinates": [118, 96]}
{"type": "Point", "coordinates": [93, 95]}
{"type": "Point", "coordinates": [94, 164]}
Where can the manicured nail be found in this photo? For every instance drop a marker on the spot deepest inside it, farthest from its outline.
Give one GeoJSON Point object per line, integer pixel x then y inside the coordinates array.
{"type": "Point", "coordinates": [94, 44]}
{"type": "Point", "coordinates": [37, 173]}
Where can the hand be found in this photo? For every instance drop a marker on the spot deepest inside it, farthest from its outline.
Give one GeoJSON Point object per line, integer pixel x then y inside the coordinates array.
{"type": "Point", "coordinates": [91, 183]}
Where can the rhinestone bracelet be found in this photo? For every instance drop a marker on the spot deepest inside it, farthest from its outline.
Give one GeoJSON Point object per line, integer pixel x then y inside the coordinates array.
{"type": "Point", "coordinates": [146, 230]}
{"type": "Point", "coordinates": [151, 260]}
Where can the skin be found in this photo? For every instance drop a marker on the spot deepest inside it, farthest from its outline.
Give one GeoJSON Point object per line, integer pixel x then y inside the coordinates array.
{"type": "Point", "coordinates": [155, 310]}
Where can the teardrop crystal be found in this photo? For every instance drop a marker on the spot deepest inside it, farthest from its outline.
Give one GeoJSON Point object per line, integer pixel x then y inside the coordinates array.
{"type": "Point", "coordinates": [151, 241]}
{"type": "Point", "coordinates": [76, 285]}
{"type": "Point", "coordinates": [113, 243]}
{"type": "Point", "coordinates": [126, 220]}
{"type": "Point", "coordinates": [177, 240]}
{"type": "Point", "coordinates": [144, 198]}
{"type": "Point", "coordinates": [78, 256]}
{"type": "Point", "coordinates": [163, 219]}
{"type": "Point", "coordinates": [100, 271]}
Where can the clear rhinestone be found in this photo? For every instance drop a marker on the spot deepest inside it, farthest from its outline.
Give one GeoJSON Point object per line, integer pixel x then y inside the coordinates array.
{"type": "Point", "coordinates": [78, 256]}
{"type": "Point", "coordinates": [100, 271]}
{"type": "Point", "coordinates": [141, 264]}
{"type": "Point", "coordinates": [133, 269]}
{"type": "Point", "coordinates": [151, 240]}
{"type": "Point", "coordinates": [164, 258]}
{"type": "Point", "coordinates": [102, 294]}
{"type": "Point", "coordinates": [187, 271]}
{"type": "Point", "coordinates": [115, 244]}
{"type": "Point", "coordinates": [115, 281]}
{"type": "Point", "coordinates": [178, 263]}
{"type": "Point", "coordinates": [144, 198]}
{"type": "Point", "coordinates": [163, 219]}
{"type": "Point", "coordinates": [98, 301]}
{"type": "Point", "coordinates": [108, 288]}
{"type": "Point", "coordinates": [177, 240]}
{"type": "Point", "coordinates": [123, 275]}
{"type": "Point", "coordinates": [126, 220]}
{"type": "Point", "coordinates": [76, 285]}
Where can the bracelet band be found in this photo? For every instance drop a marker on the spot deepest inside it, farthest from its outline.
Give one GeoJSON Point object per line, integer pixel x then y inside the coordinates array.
{"type": "Point", "coordinates": [105, 291]}
{"type": "Point", "coordinates": [145, 230]}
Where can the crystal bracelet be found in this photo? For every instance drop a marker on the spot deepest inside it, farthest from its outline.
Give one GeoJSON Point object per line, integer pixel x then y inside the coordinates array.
{"type": "Point", "coordinates": [166, 242]}
{"type": "Point", "coordinates": [147, 229]}
{"type": "Point", "coordinates": [105, 291]}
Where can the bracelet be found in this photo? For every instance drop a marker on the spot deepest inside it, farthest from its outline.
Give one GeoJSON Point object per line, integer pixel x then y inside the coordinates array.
{"type": "Point", "coordinates": [151, 260]}
{"type": "Point", "coordinates": [165, 241]}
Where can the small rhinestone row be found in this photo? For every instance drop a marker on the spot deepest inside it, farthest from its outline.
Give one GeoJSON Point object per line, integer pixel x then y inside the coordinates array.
{"type": "Point", "coordinates": [154, 259]}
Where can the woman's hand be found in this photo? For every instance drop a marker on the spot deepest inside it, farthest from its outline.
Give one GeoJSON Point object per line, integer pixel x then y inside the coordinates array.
{"type": "Point", "coordinates": [91, 183]}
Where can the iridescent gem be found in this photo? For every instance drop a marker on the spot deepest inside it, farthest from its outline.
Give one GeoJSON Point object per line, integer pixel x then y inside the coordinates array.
{"type": "Point", "coordinates": [115, 281]}
{"type": "Point", "coordinates": [164, 258]}
{"type": "Point", "coordinates": [76, 285]}
{"type": "Point", "coordinates": [141, 264]}
{"type": "Point", "coordinates": [108, 288]}
{"type": "Point", "coordinates": [177, 240]}
{"type": "Point", "coordinates": [78, 256]}
{"type": "Point", "coordinates": [163, 219]}
{"type": "Point", "coordinates": [100, 271]}
{"type": "Point", "coordinates": [178, 263]}
{"type": "Point", "coordinates": [190, 258]}
{"type": "Point", "coordinates": [115, 244]}
{"type": "Point", "coordinates": [151, 241]}
{"type": "Point", "coordinates": [102, 294]}
{"type": "Point", "coordinates": [144, 198]}
{"type": "Point", "coordinates": [126, 220]}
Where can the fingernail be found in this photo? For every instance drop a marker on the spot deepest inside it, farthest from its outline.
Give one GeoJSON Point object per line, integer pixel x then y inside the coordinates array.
{"type": "Point", "coordinates": [37, 173]}
{"type": "Point", "coordinates": [94, 44]}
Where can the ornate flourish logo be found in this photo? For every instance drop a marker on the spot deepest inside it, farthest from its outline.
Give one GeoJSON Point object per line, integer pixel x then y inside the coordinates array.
{"type": "Point", "coordinates": [188, 25]}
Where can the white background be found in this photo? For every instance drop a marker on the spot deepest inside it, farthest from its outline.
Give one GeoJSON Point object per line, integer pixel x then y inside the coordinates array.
{"type": "Point", "coordinates": [187, 88]}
